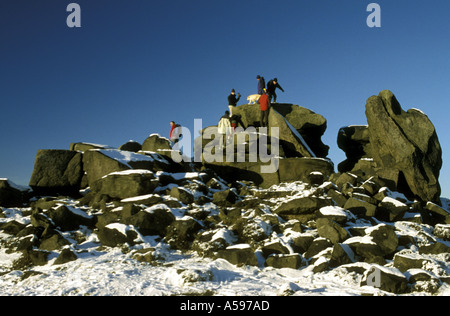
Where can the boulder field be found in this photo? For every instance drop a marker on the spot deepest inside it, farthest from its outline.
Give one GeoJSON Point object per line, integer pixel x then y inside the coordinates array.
{"type": "Point", "coordinates": [380, 216]}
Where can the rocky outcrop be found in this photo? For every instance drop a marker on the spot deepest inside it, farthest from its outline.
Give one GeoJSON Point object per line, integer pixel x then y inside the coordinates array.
{"type": "Point", "coordinates": [400, 147]}
{"type": "Point", "coordinates": [292, 121]}
{"type": "Point", "coordinates": [407, 142]}
{"type": "Point", "coordinates": [57, 171]}
{"type": "Point", "coordinates": [12, 195]}
{"type": "Point", "coordinates": [301, 215]}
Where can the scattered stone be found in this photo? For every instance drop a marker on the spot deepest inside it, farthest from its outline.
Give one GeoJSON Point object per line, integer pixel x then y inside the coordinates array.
{"type": "Point", "coordinates": [66, 255]}
{"type": "Point", "coordinates": [69, 218]}
{"type": "Point", "coordinates": [386, 279]}
{"type": "Point", "coordinates": [116, 234]}
{"type": "Point", "coordinates": [182, 195]}
{"type": "Point", "coordinates": [225, 198]}
{"type": "Point", "coordinates": [279, 261]}
{"type": "Point", "coordinates": [241, 254]}
{"type": "Point", "coordinates": [181, 233]}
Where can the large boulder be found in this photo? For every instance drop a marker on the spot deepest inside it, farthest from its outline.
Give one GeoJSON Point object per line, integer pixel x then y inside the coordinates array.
{"type": "Point", "coordinates": [57, 172]}
{"type": "Point", "coordinates": [241, 254]}
{"type": "Point", "coordinates": [354, 141]}
{"type": "Point", "coordinates": [12, 195]}
{"type": "Point", "coordinates": [150, 221]}
{"type": "Point", "coordinates": [101, 162]}
{"type": "Point", "coordinates": [156, 143]}
{"type": "Point", "coordinates": [405, 143]}
{"type": "Point", "coordinates": [292, 120]}
{"type": "Point", "coordinates": [69, 218]}
{"type": "Point", "coordinates": [126, 184]}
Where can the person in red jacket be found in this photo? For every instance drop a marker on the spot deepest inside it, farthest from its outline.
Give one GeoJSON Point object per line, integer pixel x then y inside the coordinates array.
{"type": "Point", "coordinates": [265, 108]}
{"type": "Point", "coordinates": [175, 133]}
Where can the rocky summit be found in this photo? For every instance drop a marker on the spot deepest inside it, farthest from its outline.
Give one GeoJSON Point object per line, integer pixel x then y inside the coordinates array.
{"type": "Point", "coordinates": [98, 220]}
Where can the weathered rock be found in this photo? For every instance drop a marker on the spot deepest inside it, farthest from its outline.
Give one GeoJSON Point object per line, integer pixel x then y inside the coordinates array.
{"type": "Point", "coordinates": [302, 242]}
{"type": "Point", "coordinates": [145, 255]}
{"type": "Point", "coordinates": [116, 234]}
{"type": "Point", "coordinates": [318, 245]}
{"type": "Point", "coordinates": [331, 230]}
{"type": "Point", "coordinates": [300, 169]}
{"type": "Point", "coordinates": [150, 221]}
{"type": "Point", "coordinates": [334, 213]}
{"type": "Point", "coordinates": [385, 237]}
{"type": "Point", "coordinates": [57, 172]}
{"type": "Point", "coordinates": [225, 198]}
{"type": "Point", "coordinates": [148, 200]}
{"type": "Point", "coordinates": [209, 242]}
{"type": "Point", "coordinates": [354, 141]}
{"type": "Point", "coordinates": [181, 233]}
{"type": "Point", "coordinates": [386, 279]}
{"type": "Point", "coordinates": [132, 146]}
{"type": "Point", "coordinates": [341, 254]}
{"type": "Point", "coordinates": [275, 247]}
{"type": "Point", "coordinates": [279, 261]}
{"type": "Point", "coordinates": [126, 184]}
{"type": "Point", "coordinates": [407, 142]}
{"type": "Point", "coordinates": [82, 146]}
{"type": "Point", "coordinates": [435, 248]}
{"type": "Point", "coordinates": [12, 195]}
{"type": "Point", "coordinates": [182, 195]}
{"type": "Point", "coordinates": [12, 227]}
{"type": "Point", "coordinates": [337, 197]}
{"type": "Point", "coordinates": [394, 209]}
{"type": "Point", "coordinates": [289, 169]}
{"type": "Point", "coordinates": [98, 163]}
{"type": "Point", "coordinates": [252, 230]}
{"type": "Point", "coordinates": [379, 241]}
{"type": "Point", "coordinates": [442, 231]}
{"type": "Point", "coordinates": [66, 255]}
{"type": "Point", "coordinates": [360, 207]}
{"type": "Point", "coordinates": [405, 261]}
{"type": "Point", "coordinates": [68, 218]}
{"type": "Point", "coordinates": [156, 143]}
{"type": "Point", "coordinates": [55, 242]}
{"type": "Point", "coordinates": [241, 254]}
{"type": "Point", "coordinates": [302, 205]}
{"type": "Point", "coordinates": [439, 214]}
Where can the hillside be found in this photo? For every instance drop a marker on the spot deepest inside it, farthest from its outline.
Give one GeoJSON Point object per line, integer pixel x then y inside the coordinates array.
{"type": "Point", "coordinates": [97, 220]}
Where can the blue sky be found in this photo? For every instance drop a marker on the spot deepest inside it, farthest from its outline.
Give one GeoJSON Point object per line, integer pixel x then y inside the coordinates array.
{"type": "Point", "coordinates": [134, 66]}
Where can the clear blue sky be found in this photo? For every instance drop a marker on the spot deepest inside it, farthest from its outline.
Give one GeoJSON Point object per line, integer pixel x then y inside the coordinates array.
{"type": "Point", "coordinates": [135, 65]}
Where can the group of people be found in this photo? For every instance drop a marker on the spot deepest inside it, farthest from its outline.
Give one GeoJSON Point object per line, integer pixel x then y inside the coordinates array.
{"type": "Point", "coordinates": [230, 121]}
{"type": "Point", "coordinates": [266, 96]}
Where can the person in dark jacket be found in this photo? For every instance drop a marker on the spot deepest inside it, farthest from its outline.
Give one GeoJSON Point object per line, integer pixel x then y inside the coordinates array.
{"type": "Point", "coordinates": [261, 84]}
{"type": "Point", "coordinates": [233, 100]}
{"type": "Point", "coordinates": [272, 85]}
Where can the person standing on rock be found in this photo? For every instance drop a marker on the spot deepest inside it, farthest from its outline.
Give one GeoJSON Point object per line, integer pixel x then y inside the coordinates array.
{"type": "Point", "coordinates": [272, 85]}
{"type": "Point", "coordinates": [233, 100]}
{"type": "Point", "coordinates": [264, 104]}
{"type": "Point", "coordinates": [175, 133]}
{"type": "Point", "coordinates": [261, 84]}
{"type": "Point", "coordinates": [224, 128]}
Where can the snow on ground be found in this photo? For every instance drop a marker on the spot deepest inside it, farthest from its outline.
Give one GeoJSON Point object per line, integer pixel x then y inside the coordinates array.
{"type": "Point", "coordinates": [102, 271]}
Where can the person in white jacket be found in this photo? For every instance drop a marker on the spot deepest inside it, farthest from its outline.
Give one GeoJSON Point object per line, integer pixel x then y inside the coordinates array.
{"type": "Point", "coordinates": [224, 128]}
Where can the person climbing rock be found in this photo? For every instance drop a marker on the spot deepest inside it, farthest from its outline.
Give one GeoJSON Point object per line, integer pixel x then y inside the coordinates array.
{"type": "Point", "coordinates": [272, 85]}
